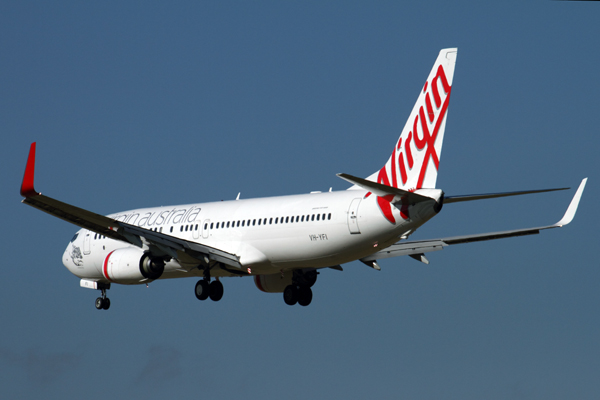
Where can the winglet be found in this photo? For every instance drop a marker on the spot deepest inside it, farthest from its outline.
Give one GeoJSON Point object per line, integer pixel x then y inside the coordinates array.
{"type": "Point", "coordinates": [27, 189]}
{"type": "Point", "coordinates": [570, 214]}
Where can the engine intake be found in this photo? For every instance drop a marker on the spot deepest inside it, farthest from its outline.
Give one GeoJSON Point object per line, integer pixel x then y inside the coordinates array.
{"type": "Point", "coordinates": [152, 267]}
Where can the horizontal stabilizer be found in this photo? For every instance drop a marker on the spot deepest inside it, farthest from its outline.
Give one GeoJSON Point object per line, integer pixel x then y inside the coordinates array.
{"type": "Point", "coordinates": [470, 197]}
{"type": "Point", "coordinates": [384, 190]}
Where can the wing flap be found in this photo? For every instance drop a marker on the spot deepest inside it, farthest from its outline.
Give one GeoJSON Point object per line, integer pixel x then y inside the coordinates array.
{"type": "Point", "coordinates": [407, 249]}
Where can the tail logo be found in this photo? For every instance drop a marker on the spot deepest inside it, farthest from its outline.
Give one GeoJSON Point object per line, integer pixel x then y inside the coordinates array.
{"type": "Point", "coordinates": [418, 144]}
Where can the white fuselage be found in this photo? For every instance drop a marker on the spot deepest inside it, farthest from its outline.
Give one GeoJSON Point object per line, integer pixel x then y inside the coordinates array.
{"type": "Point", "coordinates": [269, 235]}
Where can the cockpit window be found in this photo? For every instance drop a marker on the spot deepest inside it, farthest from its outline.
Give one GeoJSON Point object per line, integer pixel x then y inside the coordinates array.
{"type": "Point", "coordinates": [74, 237]}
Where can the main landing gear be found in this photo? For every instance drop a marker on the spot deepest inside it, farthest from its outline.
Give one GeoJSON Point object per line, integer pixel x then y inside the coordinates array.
{"type": "Point", "coordinates": [103, 302]}
{"type": "Point", "coordinates": [297, 294]}
{"type": "Point", "coordinates": [300, 290]}
{"type": "Point", "coordinates": [205, 288]}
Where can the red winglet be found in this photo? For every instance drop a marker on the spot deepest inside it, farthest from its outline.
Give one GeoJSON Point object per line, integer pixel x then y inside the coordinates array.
{"type": "Point", "coordinates": [27, 189]}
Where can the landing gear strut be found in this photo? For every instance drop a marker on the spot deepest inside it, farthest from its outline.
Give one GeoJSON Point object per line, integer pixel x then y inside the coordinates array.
{"type": "Point", "coordinates": [103, 302]}
{"type": "Point", "coordinates": [205, 288]}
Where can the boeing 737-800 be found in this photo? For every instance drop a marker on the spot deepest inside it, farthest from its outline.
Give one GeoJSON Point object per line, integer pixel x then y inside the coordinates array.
{"type": "Point", "coordinates": [280, 241]}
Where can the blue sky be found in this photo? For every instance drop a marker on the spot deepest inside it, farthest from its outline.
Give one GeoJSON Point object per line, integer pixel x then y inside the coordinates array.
{"type": "Point", "coordinates": [138, 104]}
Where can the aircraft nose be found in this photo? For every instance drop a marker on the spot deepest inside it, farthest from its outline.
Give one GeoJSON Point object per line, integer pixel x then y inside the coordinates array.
{"type": "Point", "coordinates": [72, 258]}
{"type": "Point", "coordinates": [66, 259]}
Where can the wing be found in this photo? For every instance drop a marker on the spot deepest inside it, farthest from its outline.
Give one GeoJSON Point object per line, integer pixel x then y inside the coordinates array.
{"type": "Point", "coordinates": [418, 248]}
{"type": "Point", "coordinates": [157, 243]}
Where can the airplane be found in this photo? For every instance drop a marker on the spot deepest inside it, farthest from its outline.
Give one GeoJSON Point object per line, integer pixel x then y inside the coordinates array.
{"type": "Point", "coordinates": [282, 242]}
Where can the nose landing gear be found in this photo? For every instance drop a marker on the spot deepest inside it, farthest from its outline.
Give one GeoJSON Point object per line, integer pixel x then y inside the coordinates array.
{"type": "Point", "coordinates": [103, 302]}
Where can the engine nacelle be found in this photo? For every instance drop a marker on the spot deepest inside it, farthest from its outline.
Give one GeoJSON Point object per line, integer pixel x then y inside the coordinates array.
{"type": "Point", "coordinates": [274, 283]}
{"type": "Point", "coordinates": [131, 265]}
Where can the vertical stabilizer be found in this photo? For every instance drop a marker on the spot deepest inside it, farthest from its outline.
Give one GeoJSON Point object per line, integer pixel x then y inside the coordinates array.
{"type": "Point", "coordinates": [416, 156]}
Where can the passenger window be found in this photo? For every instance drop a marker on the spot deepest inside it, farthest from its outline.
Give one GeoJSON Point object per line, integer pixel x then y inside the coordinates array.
{"type": "Point", "coordinates": [287, 219]}
{"type": "Point", "coordinates": [171, 229]}
{"type": "Point", "coordinates": [205, 226]}
{"type": "Point", "coordinates": [297, 218]}
{"type": "Point", "coordinates": [270, 221]}
{"type": "Point", "coordinates": [238, 224]}
{"type": "Point", "coordinates": [302, 219]}
{"type": "Point", "coordinates": [211, 225]}
{"type": "Point", "coordinates": [253, 222]}
{"type": "Point", "coordinates": [228, 224]}
{"type": "Point", "coordinates": [243, 222]}
{"type": "Point", "coordinates": [329, 216]}
{"type": "Point", "coordinates": [259, 221]}
{"type": "Point", "coordinates": [318, 215]}
{"type": "Point", "coordinates": [313, 217]}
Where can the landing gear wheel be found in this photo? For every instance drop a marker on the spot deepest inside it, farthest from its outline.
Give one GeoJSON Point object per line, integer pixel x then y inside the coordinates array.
{"type": "Point", "coordinates": [202, 289]}
{"type": "Point", "coordinates": [290, 295]}
{"type": "Point", "coordinates": [106, 304]}
{"type": "Point", "coordinates": [99, 303]}
{"type": "Point", "coordinates": [216, 290]}
{"type": "Point", "coordinates": [304, 296]}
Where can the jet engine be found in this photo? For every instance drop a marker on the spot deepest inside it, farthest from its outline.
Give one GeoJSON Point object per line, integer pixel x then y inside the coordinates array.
{"type": "Point", "coordinates": [132, 266]}
{"type": "Point", "coordinates": [274, 283]}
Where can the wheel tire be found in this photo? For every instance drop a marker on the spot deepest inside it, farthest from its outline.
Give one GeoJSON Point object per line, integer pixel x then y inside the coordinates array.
{"type": "Point", "coordinates": [304, 296]}
{"type": "Point", "coordinates": [290, 295]}
{"type": "Point", "coordinates": [202, 290]}
{"type": "Point", "coordinates": [216, 290]}
{"type": "Point", "coordinates": [99, 303]}
{"type": "Point", "coordinates": [106, 304]}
